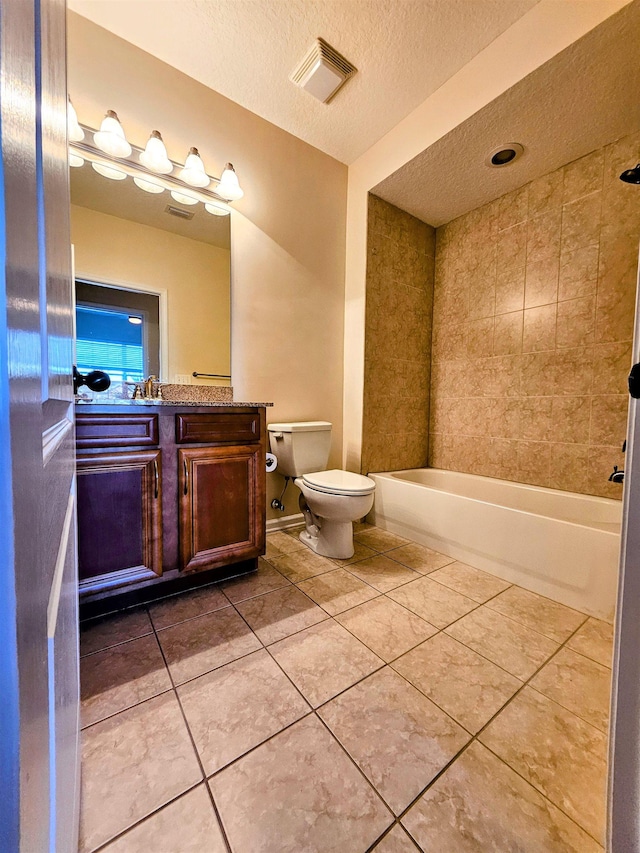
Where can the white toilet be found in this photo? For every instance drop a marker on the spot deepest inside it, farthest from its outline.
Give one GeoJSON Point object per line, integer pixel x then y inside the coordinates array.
{"type": "Point", "coordinates": [331, 500]}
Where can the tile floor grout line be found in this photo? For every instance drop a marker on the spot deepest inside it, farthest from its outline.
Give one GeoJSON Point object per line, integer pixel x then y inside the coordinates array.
{"type": "Point", "coordinates": [359, 769]}
{"type": "Point", "coordinates": [517, 693]}
{"type": "Point", "coordinates": [103, 845]}
{"type": "Point", "coordinates": [196, 751]}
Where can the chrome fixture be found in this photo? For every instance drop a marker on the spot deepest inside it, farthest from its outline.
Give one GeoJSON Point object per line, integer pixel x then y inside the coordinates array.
{"type": "Point", "coordinates": [114, 157]}
{"type": "Point", "coordinates": [616, 476]}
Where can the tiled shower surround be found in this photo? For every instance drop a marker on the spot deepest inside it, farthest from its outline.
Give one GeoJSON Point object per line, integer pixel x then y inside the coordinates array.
{"type": "Point", "coordinates": [397, 339]}
{"type": "Point", "coordinates": [532, 329]}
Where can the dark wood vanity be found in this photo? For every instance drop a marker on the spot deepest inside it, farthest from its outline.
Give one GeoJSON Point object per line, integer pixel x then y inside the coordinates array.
{"type": "Point", "coordinates": [169, 496]}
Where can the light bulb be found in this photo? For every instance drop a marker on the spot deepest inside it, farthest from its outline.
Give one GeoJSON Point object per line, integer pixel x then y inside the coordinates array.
{"type": "Point", "coordinates": [193, 172]}
{"type": "Point", "coordinates": [217, 209]}
{"type": "Point", "coordinates": [148, 186]}
{"type": "Point", "coordinates": [154, 156]}
{"type": "Point", "coordinates": [110, 138]}
{"type": "Point", "coordinates": [75, 160]}
{"type": "Point", "coordinates": [74, 131]}
{"type": "Point", "coordinates": [229, 187]}
{"type": "Point", "coordinates": [109, 172]}
{"type": "Point", "coordinates": [183, 198]}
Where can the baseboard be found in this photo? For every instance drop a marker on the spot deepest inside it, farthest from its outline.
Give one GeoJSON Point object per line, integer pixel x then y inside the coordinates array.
{"type": "Point", "coordinates": [285, 522]}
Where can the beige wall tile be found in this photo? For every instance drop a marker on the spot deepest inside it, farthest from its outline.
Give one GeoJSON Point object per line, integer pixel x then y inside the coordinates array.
{"type": "Point", "coordinates": [581, 222]}
{"type": "Point", "coordinates": [543, 237]}
{"type": "Point", "coordinates": [578, 272]}
{"type": "Point", "coordinates": [479, 337]}
{"type": "Point", "coordinates": [510, 289]}
{"type": "Point", "coordinates": [569, 467]}
{"type": "Point", "coordinates": [533, 462]}
{"type": "Point", "coordinates": [609, 419]}
{"type": "Point", "coordinates": [541, 283]}
{"type": "Point", "coordinates": [539, 328]}
{"type": "Point", "coordinates": [545, 193]}
{"type": "Point", "coordinates": [576, 322]}
{"type": "Point", "coordinates": [584, 176]}
{"type": "Point", "coordinates": [570, 419]}
{"type": "Point", "coordinates": [512, 247]}
{"type": "Point", "coordinates": [601, 463]}
{"type": "Point", "coordinates": [507, 336]}
{"type": "Point", "coordinates": [611, 365]}
{"type": "Point", "coordinates": [536, 418]}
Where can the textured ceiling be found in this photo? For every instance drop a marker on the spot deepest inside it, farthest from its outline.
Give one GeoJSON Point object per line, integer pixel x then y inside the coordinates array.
{"type": "Point", "coordinates": [245, 49]}
{"type": "Point", "coordinates": [583, 98]}
{"type": "Point", "coordinates": [125, 200]}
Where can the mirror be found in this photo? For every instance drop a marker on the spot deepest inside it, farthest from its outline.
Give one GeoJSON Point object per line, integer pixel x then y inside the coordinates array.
{"type": "Point", "coordinates": [143, 243]}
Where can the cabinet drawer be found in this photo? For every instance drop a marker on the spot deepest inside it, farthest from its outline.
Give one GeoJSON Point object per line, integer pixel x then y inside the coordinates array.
{"type": "Point", "coordinates": [210, 428]}
{"type": "Point", "coordinates": [116, 430]}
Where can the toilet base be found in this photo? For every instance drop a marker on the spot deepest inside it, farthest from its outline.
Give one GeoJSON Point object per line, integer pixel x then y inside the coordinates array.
{"type": "Point", "coordinates": [334, 539]}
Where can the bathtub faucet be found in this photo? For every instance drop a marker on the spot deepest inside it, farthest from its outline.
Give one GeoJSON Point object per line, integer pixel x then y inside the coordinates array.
{"type": "Point", "coordinates": [616, 476]}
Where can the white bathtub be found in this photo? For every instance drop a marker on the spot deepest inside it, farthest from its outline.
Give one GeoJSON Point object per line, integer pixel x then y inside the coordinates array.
{"type": "Point", "coordinates": [561, 545]}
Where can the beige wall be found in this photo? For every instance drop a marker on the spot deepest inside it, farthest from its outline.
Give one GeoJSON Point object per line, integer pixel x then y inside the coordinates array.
{"type": "Point", "coordinates": [533, 325]}
{"type": "Point", "coordinates": [287, 233]}
{"type": "Point", "coordinates": [194, 275]}
{"type": "Point", "coordinates": [400, 260]}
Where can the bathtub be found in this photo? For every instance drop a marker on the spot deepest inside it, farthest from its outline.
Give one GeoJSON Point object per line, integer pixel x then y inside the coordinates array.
{"type": "Point", "coordinates": [562, 545]}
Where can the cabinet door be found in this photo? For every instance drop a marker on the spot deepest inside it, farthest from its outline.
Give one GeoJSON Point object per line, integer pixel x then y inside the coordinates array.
{"type": "Point", "coordinates": [119, 518]}
{"type": "Point", "coordinates": [221, 495]}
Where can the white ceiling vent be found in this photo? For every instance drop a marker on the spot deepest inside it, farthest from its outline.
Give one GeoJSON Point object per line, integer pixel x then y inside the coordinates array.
{"type": "Point", "coordinates": [322, 72]}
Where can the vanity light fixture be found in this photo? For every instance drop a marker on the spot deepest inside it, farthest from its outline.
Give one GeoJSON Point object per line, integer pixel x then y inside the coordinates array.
{"type": "Point", "coordinates": [183, 198]}
{"type": "Point", "coordinates": [112, 156]}
{"type": "Point", "coordinates": [148, 186]}
{"type": "Point", "coordinates": [110, 138]}
{"type": "Point", "coordinates": [229, 186]}
{"type": "Point", "coordinates": [154, 156]}
{"type": "Point", "coordinates": [109, 172]}
{"type": "Point", "coordinates": [193, 172]}
{"type": "Point", "coordinates": [76, 133]}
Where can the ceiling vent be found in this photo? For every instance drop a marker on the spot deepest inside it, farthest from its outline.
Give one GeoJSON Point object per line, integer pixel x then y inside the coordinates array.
{"type": "Point", "coordinates": [179, 212]}
{"type": "Point", "coordinates": [322, 72]}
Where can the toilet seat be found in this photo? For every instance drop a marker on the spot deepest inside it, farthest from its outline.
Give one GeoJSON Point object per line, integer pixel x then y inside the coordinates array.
{"type": "Point", "coordinates": [337, 482]}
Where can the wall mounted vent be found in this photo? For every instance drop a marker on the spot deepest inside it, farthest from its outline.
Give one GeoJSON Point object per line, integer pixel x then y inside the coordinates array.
{"type": "Point", "coordinates": [322, 72]}
{"type": "Point", "coordinates": [179, 212]}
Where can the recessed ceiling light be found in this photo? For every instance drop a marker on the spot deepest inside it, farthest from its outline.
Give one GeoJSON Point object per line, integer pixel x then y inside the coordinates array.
{"type": "Point", "coordinates": [503, 155]}
{"type": "Point", "coordinates": [136, 321]}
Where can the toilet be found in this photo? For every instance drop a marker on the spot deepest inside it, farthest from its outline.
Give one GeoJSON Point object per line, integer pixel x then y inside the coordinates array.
{"type": "Point", "coordinates": [331, 500]}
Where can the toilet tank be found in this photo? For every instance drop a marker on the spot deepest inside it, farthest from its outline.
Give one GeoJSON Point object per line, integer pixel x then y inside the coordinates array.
{"type": "Point", "coordinates": [300, 447]}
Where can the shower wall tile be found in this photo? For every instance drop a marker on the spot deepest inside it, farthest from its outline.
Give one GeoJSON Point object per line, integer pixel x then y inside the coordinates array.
{"type": "Point", "coordinates": [533, 312]}
{"type": "Point", "coordinates": [398, 333]}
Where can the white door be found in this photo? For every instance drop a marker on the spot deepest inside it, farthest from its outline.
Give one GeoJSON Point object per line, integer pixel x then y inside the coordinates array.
{"type": "Point", "coordinates": [624, 748]}
{"type": "Point", "coordinates": [38, 583]}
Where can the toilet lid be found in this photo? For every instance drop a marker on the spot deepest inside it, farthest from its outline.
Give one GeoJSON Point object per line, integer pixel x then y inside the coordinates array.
{"type": "Point", "coordinates": [339, 483]}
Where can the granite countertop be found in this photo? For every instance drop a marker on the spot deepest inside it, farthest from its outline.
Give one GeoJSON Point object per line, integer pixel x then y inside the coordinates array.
{"type": "Point", "coordinates": [208, 403]}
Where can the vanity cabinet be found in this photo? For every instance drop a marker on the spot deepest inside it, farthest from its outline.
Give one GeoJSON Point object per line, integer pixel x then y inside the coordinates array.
{"type": "Point", "coordinates": [174, 496]}
{"type": "Point", "coordinates": [119, 518]}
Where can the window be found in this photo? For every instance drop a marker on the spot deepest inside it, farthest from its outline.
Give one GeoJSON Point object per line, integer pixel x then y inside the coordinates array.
{"type": "Point", "coordinates": [117, 330]}
{"type": "Point", "coordinates": [111, 340]}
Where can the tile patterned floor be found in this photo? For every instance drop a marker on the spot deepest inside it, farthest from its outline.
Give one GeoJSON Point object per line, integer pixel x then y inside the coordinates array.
{"type": "Point", "coordinates": [396, 702]}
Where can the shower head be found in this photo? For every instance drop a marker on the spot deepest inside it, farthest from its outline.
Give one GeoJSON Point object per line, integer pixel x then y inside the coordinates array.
{"type": "Point", "coordinates": [631, 176]}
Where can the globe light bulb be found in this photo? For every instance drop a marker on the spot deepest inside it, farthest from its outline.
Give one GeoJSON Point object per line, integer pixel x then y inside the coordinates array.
{"type": "Point", "coordinates": [154, 156]}
{"type": "Point", "coordinates": [110, 138]}
{"type": "Point", "coordinates": [109, 172]}
{"type": "Point", "coordinates": [193, 172]}
{"type": "Point", "coordinates": [148, 186]}
{"type": "Point", "coordinates": [229, 187]}
{"type": "Point", "coordinates": [217, 209]}
{"type": "Point", "coordinates": [74, 131]}
{"type": "Point", "coordinates": [183, 198]}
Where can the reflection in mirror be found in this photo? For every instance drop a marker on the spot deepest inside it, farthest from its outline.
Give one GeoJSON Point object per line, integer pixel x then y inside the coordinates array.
{"type": "Point", "coordinates": [131, 247]}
